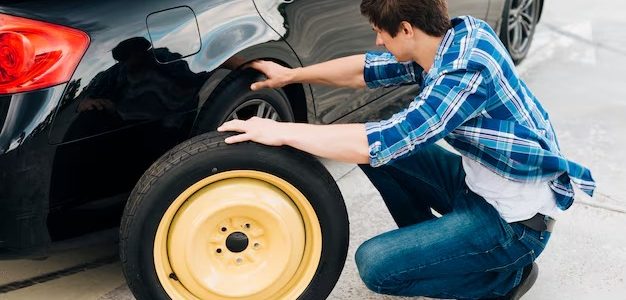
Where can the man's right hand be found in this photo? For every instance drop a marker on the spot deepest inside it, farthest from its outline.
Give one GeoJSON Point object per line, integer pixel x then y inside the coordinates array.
{"type": "Point", "coordinates": [277, 75]}
{"type": "Point", "coordinates": [340, 72]}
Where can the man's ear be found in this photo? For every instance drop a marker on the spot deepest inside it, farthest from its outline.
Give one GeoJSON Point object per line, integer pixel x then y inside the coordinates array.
{"type": "Point", "coordinates": [406, 28]}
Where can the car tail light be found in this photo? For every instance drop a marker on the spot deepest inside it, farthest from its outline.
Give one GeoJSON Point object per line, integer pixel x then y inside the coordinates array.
{"type": "Point", "coordinates": [35, 54]}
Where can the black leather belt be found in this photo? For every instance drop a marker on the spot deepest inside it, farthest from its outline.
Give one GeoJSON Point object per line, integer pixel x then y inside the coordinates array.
{"type": "Point", "coordinates": [539, 223]}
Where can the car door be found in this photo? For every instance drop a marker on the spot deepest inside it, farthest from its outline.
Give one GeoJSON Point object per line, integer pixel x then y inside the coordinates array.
{"type": "Point", "coordinates": [320, 30]}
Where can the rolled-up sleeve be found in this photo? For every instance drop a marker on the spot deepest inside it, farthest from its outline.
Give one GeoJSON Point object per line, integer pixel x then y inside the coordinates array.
{"type": "Point", "coordinates": [440, 108]}
{"type": "Point", "coordinates": [382, 69]}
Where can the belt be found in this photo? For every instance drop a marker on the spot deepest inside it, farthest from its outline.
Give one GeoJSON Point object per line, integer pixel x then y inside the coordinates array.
{"type": "Point", "coordinates": [539, 222]}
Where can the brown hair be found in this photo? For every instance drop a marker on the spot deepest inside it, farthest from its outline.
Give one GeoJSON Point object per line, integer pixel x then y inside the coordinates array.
{"type": "Point", "coordinates": [430, 16]}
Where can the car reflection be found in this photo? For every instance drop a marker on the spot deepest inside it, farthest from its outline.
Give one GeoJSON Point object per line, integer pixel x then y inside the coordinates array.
{"type": "Point", "coordinates": [137, 87]}
{"type": "Point", "coordinates": [133, 112]}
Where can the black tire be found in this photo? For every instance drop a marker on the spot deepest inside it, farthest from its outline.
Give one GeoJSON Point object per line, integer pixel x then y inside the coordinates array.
{"type": "Point", "coordinates": [518, 42]}
{"type": "Point", "coordinates": [206, 155]}
{"type": "Point", "coordinates": [233, 92]}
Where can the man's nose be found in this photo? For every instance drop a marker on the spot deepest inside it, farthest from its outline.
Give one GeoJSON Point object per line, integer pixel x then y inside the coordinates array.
{"type": "Point", "coordinates": [379, 42]}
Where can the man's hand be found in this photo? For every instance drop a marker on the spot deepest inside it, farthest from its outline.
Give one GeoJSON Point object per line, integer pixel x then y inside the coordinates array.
{"type": "Point", "coordinates": [343, 142]}
{"type": "Point", "coordinates": [341, 72]}
{"type": "Point", "coordinates": [277, 75]}
{"type": "Point", "coordinates": [263, 131]}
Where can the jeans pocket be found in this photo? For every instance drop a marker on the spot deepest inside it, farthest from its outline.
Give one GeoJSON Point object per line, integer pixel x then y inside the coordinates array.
{"type": "Point", "coordinates": [509, 232]}
{"type": "Point", "coordinates": [536, 240]}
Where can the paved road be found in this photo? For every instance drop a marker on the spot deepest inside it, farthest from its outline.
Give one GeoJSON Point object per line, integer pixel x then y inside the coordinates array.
{"type": "Point", "coordinates": [575, 68]}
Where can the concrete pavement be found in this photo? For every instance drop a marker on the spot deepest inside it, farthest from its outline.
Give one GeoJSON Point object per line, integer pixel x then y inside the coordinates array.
{"type": "Point", "coordinates": [575, 68]}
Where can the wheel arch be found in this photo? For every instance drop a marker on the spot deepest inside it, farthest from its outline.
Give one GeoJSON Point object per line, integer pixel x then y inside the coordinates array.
{"type": "Point", "coordinates": [240, 37]}
{"type": "Point", "coordinates": [299, 95]}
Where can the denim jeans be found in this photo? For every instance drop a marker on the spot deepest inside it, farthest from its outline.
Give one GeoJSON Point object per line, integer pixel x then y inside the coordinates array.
{"type": "Point", "coordinates": [469, 252]}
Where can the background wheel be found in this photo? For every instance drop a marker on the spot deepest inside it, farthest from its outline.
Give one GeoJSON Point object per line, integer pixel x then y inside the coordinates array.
{"type": "Point", "coordinates": [243, 221]}
{"type": "Point", "coordinates": [519, 20]}
{"type": "Point", "coordinates": [233, 99]}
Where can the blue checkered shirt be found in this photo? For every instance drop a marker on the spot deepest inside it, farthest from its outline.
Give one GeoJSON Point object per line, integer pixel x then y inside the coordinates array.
{"type": "Point", "coordinates": [473, 98]}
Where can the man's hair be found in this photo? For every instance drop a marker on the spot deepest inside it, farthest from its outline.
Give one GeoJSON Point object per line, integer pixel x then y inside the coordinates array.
{"type": "Point", "coordinates": [430, 16]}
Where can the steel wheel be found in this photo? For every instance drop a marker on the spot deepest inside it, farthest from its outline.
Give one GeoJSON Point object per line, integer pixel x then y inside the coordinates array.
{"type": "Point", "coordinates": [518, 26]}
{"type": "Point", "coordinates": [238, 227]}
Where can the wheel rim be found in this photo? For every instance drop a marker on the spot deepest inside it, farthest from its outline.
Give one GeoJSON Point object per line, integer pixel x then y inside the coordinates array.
{"type": "Point", "coordinates": [521, 24]}
{"type": "Point", "coordinates": [238, 235]}
{"type": "Point", "coordinates": [254, 107]}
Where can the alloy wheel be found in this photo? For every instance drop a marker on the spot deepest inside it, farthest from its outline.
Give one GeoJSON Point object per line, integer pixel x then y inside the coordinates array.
{"type": "Point", "coordinates": [521, 21]}
{"type": "Point", "coordinates": [254, 107]}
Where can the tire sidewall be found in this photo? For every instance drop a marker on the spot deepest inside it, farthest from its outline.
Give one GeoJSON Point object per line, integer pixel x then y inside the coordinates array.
{"type": "Point", "coordinates": [234, 91]}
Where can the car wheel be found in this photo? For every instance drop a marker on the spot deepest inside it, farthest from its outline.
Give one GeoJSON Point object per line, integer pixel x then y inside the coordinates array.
{"type": "Point", "coordinates": [243, 221]}
{"type": "Point", "coordinates": [519, 20]}
{"type": "Point", "coordinates": [233, 99]}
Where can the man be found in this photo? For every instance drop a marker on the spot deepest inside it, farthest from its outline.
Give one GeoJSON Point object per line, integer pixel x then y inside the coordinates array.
{"type": "Point", "coordinates": [497, 199]}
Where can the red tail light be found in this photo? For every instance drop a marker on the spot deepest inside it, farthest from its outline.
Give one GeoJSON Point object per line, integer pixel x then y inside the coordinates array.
{"type": "Point", "coordinates": [35, 54]}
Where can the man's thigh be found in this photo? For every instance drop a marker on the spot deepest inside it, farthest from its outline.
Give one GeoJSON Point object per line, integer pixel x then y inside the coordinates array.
{"type": "Point", "coordinates": [432, 176]}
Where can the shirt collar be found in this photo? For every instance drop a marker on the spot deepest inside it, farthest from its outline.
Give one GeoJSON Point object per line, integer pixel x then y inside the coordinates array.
{"type": "Point", "coordinates": [448, 39]}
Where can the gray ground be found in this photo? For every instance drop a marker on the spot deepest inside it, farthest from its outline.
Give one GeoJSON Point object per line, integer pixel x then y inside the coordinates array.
{"type": "Point", "coordinates": [575, 68]}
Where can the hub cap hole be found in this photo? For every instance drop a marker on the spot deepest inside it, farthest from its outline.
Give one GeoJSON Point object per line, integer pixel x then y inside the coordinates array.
{"type": "Point", "coordinates": [237, 242]}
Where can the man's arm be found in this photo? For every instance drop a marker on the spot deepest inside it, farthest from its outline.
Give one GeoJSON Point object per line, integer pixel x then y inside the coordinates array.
{"type": "Point", "coordinates": [436, 112]}
{"type": "Point", "coordinates": [342, 142]}
{"type": "Point", "coordinates": [341, 72]}
{"type": "Point", "coordinates": [372, 70]}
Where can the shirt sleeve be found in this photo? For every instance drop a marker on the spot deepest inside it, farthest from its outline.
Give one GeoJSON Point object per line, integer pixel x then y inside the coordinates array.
{"type": "Point", "coordinates": [382, 69]}
{"type": "Point", "coordinates": [440, 108]}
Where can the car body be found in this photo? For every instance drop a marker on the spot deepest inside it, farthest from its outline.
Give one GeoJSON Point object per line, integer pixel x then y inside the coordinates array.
{"type": "Point", "coordinates": [143, 85]}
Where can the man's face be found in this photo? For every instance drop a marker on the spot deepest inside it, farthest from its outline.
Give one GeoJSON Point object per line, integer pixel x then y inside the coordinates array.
{"type": "Point", "coordinates": [396, 45]}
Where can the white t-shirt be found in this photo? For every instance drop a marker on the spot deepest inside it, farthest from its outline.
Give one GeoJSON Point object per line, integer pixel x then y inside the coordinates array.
{"type": "Point", "coordinates": [515, 201]}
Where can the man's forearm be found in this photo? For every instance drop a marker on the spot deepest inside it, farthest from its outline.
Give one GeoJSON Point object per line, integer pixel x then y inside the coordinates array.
{"type": "Point", "coordinates": [343, 142]}
{"type": "Point", "coordinates": [342, 72]}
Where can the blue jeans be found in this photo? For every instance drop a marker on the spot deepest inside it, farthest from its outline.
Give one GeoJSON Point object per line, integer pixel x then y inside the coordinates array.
{"type": "Point", "coordinates": [469, 252]}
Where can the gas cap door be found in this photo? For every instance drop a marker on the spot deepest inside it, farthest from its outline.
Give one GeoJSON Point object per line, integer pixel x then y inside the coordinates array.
{"type": "Point", "coordinates": [174, 33]}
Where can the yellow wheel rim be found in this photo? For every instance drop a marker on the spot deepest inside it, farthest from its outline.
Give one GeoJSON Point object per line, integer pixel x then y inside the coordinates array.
{"type": "Point", "coordinates": [244, 235]}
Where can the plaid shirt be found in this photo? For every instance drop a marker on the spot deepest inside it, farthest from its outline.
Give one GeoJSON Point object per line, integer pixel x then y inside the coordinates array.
{"type": "Point", "coordinates": [474, 99]}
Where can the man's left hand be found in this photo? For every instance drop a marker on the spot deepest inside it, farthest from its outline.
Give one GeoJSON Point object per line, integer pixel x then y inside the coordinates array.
{"type": "Point", "coordinates": [263, 131]}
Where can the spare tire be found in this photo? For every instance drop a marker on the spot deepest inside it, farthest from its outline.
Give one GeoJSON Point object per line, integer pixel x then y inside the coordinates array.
{"type": "Point", "coordinates": [244, 221]}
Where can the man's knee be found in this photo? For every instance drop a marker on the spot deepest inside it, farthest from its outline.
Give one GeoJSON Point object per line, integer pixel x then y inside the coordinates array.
{"type": "Point", "coordinates": [373, 266]}
{"type": "Point", "coordinates": [368, 263]}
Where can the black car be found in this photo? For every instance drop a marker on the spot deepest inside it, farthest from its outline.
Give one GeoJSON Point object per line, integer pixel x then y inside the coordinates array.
{"type": "Point", "coordinates": [112, 105]}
